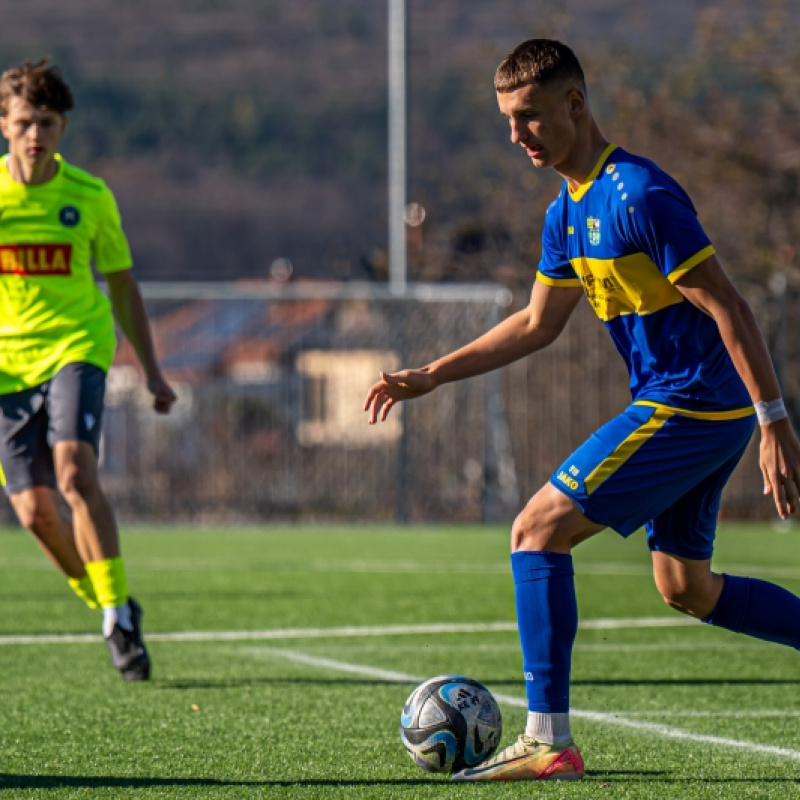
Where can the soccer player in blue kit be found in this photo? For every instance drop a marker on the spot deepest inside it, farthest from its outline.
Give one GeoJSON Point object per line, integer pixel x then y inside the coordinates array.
{"type": "Point", "coordinates": [624, 234]}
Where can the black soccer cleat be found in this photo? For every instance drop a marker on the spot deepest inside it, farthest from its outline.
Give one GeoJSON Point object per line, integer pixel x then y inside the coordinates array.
{"type": "Point", "coordinates": [128, 653]}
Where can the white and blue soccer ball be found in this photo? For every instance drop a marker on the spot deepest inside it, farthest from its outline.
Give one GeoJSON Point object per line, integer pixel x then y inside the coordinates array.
{"type": "Point", "coordinates": [450, 723]}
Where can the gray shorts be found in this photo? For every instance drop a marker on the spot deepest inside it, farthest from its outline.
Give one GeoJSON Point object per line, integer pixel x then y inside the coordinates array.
{"type": "Point", "coordinates": [68, 407]}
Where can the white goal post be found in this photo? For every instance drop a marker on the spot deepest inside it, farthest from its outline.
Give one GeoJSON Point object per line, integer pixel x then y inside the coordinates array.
{"type": "Point", "coordinates": [270, 422]}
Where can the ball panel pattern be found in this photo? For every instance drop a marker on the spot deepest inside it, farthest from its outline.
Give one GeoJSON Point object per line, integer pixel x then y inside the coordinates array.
{"type": "Point", "coordinates": [449, 723]}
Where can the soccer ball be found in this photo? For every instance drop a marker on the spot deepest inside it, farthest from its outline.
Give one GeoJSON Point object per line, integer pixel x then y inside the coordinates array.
{"type": "Point", "coordinates": [450, 723]}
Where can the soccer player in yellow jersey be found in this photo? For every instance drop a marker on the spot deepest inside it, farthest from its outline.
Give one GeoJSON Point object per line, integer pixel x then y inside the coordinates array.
{"type": "Point", "coordinates": [57, 343]}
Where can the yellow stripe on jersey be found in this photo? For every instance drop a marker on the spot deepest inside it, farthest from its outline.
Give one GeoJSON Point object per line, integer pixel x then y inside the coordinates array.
{"type": "Point", "coordinates": [691, 263]}
{"type": "Point", "coordinates": [630, 284]}
{"type": "Point", "coordinates": [719, 416]}
{"type": "Point", "coordinates": [626, 448]}
{"type": "Point", "coordinates": [560, 282]}
{"type": "Point", "coordinates": [586, 185]}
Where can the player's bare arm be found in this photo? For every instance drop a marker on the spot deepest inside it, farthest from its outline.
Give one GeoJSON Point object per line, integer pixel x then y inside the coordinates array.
{"type": "Point", "coordinates": [521, 334]}
{"type": "Point", "coordinates": [126, 299]}
{"type": "Point", "coordinates": [708, 287]}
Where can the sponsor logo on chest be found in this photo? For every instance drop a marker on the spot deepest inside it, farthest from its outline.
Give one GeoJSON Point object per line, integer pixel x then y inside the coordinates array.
{"type": "Point", "coordinates": [35, 259]}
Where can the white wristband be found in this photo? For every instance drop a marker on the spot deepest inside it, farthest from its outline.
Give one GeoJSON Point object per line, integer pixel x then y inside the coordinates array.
{"type": "Point", "coordinates": [771, 411]}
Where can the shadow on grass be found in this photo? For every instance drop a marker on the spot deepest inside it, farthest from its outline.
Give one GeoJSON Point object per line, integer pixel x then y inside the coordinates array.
{"type": "Point", "coordinates": [8, 781]}
{"type": "Point", "coordinates": [686, 682]}
{"type": "Point", "coordinates": [663, 776]}
{"type": "Point", "coordinates": [234, 683]}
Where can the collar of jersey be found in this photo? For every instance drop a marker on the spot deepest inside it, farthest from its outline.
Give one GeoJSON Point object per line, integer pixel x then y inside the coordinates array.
{"type": "Point", "coordinates": [586, 185]}
{"type": "Point", "coordinates": [26, 186]}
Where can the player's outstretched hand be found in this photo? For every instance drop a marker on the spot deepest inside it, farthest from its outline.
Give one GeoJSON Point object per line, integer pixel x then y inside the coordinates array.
{"type": "Point", "coordinates": [163, 395]}
{"type": "Point", "coordinates": [394, 387]}
{"type": "Point", "coordinates": [779, 459]}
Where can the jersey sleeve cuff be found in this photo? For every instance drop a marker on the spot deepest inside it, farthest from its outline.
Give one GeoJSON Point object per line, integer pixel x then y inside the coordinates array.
{"type": "Point", "coordinates": [106, 269]}
{"type": "Point", "coordinates": [563, 283]}
{"type": "Point", "coordinates": [690, 263]}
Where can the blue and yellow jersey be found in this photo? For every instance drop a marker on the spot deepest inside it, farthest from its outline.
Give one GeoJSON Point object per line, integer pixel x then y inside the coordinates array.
{"type": "Point", "coordinates": [51, 311]}
{"type": "Point", "coordinates": [626, 236]}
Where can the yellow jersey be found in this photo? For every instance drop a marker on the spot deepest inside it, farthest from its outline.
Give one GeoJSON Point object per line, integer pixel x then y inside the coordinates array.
{"type": "Point", "coordinates": [52, 312]}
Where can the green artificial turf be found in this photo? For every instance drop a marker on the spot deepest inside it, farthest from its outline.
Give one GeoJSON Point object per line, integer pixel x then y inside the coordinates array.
{"type": "Point", "coordinates": [313, 714]}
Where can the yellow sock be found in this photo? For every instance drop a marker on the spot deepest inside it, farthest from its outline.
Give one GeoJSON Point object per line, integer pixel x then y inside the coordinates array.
{"type": "Point", "coordinates": [109, 581]}
{"type": "Point", "coordinates": [85, 590]}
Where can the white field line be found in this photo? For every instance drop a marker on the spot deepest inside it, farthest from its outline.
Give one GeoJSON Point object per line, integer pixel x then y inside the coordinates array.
{"type": "Point", "coordinates": [468, 645]}
{"type": "Point", "coordinates": [393, 630]}
{"type": "Point", "coordinates": [591, 716]}
{"type": "Point", "coordinates": [710, 714]}
{"type": "Point", "coordinates": [345, 632]}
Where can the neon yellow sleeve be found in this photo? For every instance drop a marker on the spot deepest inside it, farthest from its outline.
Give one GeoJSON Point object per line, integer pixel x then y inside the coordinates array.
{"type": "Point", "coordinates": [110, 249]}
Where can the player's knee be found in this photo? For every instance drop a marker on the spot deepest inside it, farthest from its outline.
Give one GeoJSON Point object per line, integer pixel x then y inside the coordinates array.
{"type": "Point", "coordinates": [75, 483]}
{"type": "Point", "coordinates": [548, 522]}
{"type": "Point", "coordinates": [675, 600]}
{"type": "Point", "coordinates": [693, 599]}
{"type": "Point", "coordinates": [518, 531]}
{"type": "Point", "coordinates": [530, 531]}
{"type": "Point", "coordinates": [40, 518]}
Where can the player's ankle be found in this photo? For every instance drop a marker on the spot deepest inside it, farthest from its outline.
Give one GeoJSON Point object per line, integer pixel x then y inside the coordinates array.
{"type": "Point", "coordinates": [548, 728]}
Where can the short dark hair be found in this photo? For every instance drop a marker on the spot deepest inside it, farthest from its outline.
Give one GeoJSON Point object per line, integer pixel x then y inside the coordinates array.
{"type": "Point", "coordinates": [542, 61]}
{"type": "Point", "coordinates": [41, 84]}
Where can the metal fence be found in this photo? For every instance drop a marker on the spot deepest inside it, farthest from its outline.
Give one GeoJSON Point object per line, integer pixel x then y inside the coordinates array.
{"type": "Point", "coordinates": [272, 380]}
{"type": "Point", "coordinates": [557, 397]}
{"type": "Point", "coordinates": [269, 424]}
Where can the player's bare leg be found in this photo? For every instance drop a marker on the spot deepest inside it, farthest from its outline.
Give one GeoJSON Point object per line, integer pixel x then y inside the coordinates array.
{"type": "Point", "coordinates": [551, 521]}
{"type": "Point", "coordinates": [751, 606]}
{"type": "Point", "coordinates": [97, 540]}
{"type": "Point", "coordinates": [687, 585]}
{"type": "Point", "coordinates": [542, 539]}
{"type": "Point", "coordinates": [96, 534]}
{"type": "Point", "coordinates": [38, 512]}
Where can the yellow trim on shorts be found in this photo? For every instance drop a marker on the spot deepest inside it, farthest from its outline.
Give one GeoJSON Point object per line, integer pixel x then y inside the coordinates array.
{"type": "Point", "coordinates": [734, 413]}
{"type": "Point", "coordinates": [627, 447]}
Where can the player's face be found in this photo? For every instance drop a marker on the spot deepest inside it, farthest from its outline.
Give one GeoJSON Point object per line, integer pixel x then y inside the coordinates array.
{"type": "Point", "coordinates": [33, 133]}
{"type": "Point", "coordinates": [542, 121]}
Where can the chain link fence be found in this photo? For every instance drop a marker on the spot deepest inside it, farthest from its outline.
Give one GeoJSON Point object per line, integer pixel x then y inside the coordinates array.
{"type": "Point", "coordinates": [270, 421]}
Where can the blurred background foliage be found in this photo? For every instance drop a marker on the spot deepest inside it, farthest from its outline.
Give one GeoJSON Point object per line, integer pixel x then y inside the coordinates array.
{"type": "Point", "coordinates": [238, 131]}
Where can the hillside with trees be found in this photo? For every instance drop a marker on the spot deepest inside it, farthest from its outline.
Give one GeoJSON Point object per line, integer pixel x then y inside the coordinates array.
{"type": "Point", "coordinates": [235, 132]}
{"type": "Point", "coordinates": [238, 132]}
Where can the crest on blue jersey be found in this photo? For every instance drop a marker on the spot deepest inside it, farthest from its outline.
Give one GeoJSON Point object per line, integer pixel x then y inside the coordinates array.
{"type": "Point", "coordinates": [69, 216]}
{"type": "Point", "coordinates": [593, 229]}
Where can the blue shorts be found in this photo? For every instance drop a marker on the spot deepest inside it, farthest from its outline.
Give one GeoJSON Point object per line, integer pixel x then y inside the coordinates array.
{"type": "Point", "coordinates": [660, 467]}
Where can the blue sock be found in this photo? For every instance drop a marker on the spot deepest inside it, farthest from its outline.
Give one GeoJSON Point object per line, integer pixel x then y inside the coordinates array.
{"type": "Point", "coordinates": [547, 618]}
{"type": "Point", "coordinates": [758, 608]}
